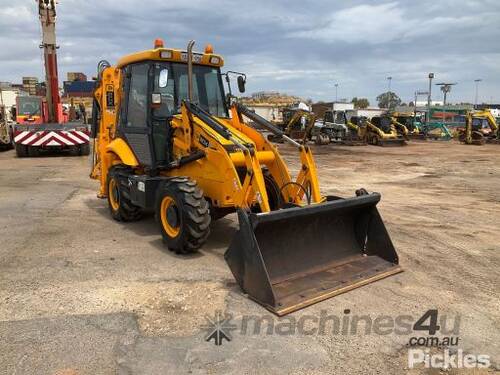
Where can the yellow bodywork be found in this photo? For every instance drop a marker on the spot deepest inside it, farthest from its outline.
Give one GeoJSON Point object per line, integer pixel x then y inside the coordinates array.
{"type": "Point", "coordinates": [216, 173]}
{"type": "Point", "coordinates": [399, 126]}
{"type": "Point", "coordinates": [303, 133]}
{"type": "Point", "coordinates": [120, 148]}
{"type": "Point", "coordinates": [393, 134]}
{"type": "Point", "coordinates": [288, 252]}
{"type": "Point", "coordinates": [484, 114]}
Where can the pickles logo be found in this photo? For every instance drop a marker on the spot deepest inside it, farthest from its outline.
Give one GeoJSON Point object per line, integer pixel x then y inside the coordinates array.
{"type": "Point", "coordinates": [219, 328]}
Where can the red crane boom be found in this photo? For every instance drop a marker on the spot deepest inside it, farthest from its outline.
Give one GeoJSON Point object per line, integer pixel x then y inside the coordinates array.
{"type": "Point", "coordinates": [47, 12]}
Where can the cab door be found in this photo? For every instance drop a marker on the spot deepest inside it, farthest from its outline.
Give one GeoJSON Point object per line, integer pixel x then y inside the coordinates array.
{"type": "Point", "coordinates": [135, 114]}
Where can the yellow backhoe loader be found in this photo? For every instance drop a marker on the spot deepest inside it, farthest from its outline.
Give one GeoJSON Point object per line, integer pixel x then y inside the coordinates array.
{"type": "Point", "coordinates": [480, 127]}
{"type": "Point", "coordinates": [166, 137]}
{"type": "Point", "coordinates": [380, 131]}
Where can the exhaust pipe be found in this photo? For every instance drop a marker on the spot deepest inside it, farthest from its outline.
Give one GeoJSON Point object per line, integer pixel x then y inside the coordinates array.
{"type": "Point", "coordinates": [190, 69]}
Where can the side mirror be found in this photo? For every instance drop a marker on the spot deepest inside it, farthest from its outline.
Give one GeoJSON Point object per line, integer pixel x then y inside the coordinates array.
{"type": "Point", "coordinates": [241, 84]}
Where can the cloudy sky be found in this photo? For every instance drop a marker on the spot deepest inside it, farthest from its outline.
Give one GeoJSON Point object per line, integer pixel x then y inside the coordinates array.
{"type": "Point", "coordinates": [298, 47]}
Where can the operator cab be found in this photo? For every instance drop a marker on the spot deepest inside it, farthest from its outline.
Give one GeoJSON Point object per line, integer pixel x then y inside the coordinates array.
{"type": "Point", "coordinates": [29, 109]}
{"type": "Point", "coordinates": [153, 91]}
{"type": "Point", "coordinates": [383, 123]}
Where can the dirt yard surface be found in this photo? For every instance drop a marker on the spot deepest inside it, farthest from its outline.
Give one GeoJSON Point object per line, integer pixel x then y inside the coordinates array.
{"type": "Point", "coordinates": [83, 294]}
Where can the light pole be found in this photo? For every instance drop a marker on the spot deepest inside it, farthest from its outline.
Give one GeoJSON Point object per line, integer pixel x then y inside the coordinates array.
{"type": "Point", "coordinates": [336, 92]}
{"type": "Point", "coordinates": [477, 91]}
{"type": "Point", "coordinates": [431, 76]}
{"type": "Point", "coordinates": [389, 79]}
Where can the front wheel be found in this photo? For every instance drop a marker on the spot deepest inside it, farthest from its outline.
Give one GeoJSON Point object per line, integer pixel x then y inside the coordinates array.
{"type": "Point", "coordinates": [183, 215]}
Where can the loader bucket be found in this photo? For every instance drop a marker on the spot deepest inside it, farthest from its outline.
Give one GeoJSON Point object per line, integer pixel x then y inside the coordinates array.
{"type": "Point", "coordinates": [291, 258]}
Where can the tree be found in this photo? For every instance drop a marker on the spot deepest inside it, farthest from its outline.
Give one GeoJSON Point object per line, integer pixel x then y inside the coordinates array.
{"type": "Point", "coordinates": [360, 103]}
{"type": "Point", "coordinates": [388, 99]}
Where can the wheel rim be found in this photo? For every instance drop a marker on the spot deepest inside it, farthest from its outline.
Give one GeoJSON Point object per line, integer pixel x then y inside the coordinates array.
{"type": "Point", "coordinates": [114, 194]}
{"type": "Point", "coordinates": [170, 219]}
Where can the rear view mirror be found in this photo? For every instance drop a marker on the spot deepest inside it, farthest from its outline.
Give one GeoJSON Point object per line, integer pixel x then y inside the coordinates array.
{"type": "Point", "coordinates": [241, 84]}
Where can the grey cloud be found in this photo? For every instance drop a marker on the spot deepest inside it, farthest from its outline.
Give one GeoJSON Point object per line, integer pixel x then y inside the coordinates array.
{"type": "Point", "coordinates": [300, 47]}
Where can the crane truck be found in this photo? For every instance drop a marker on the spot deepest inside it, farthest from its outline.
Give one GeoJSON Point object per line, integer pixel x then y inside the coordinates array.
{"type": "Point", "coordinates": [41, 123]}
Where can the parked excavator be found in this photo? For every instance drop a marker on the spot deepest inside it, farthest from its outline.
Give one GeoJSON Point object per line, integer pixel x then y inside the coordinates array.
{"type": "Point", "coordinates": [418, 129]}
{"type": "Point", "coordinates": [166, 137]}
{"type": "Point", "coordinates": [380, 131]}
{"type": "Point", "coordinates": [480, 127]}
{"type": "Point", "coordinates": [297, 124]}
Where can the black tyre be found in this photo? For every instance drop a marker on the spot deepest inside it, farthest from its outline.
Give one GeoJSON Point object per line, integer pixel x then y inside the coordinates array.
{"type": "Point", "coordinates": [21, 151]}
{"type": "Point", "coordinates": [120, 206]}
{"type": "Point", "coordinates": [33, 151]}
{"type": "Point", "coordinates": [85, 149]}
{"type": "Point", "coordinates": [74, 151]}
{"type": "Point", "coordinates": [462, 137]}
{"type": "Point", "coordinates": [274, 194]}
{"type": "Point", "coordinates": [183, 215]}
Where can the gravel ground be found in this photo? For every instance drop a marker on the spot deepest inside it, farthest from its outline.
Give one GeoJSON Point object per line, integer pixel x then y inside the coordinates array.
{"type": "Point", "coordinates": [83, 294]}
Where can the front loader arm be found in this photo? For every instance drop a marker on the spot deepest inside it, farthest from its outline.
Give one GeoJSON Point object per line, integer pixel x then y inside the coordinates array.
{"type": "Point", "coordinates": [374, 128]}
{"type": "Point", "coordinates": [399, 125]}
{"type": "Point", "coordinates": [196, 120]}
{"type": "Point", "coordinates": [306, 182]}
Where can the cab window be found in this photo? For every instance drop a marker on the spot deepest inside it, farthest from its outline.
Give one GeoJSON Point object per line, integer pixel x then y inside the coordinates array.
{"type": "Point", "coordinates": [137, 108]}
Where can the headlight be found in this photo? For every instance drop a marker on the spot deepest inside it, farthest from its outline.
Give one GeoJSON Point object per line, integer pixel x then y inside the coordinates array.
{"type": "Point", "coordinates": [165, 54]}
{"type": "Point", "coordinates": [214, 60]}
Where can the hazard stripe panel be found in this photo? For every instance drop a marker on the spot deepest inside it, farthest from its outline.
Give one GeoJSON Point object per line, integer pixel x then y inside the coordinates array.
{"type": "Point", "coordinates": [56, 138]}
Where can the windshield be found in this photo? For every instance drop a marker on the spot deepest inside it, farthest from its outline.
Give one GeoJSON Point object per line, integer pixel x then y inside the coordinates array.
{"type": "Point", "coordinates": [171, 84]}
{"type": "Point", "coordinates": [28, 106]}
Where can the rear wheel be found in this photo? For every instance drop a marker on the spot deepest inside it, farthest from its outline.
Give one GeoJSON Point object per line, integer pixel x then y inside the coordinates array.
{"type": "Point", "coordinates": [33, 151]}
{"type": "Point", "coordinates": [183, 214]}
{"type": "Point", "coordinates": [120, 206]}
{"type": "Point", "coordinates": [85, 149]}
{"type": "Point", "coordinates": [74, 151]}
{"type": "Point", "coordinates": [21, 151]}
{"type": "Point", "coordinates": [462, 137]}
